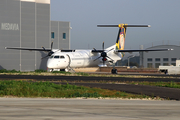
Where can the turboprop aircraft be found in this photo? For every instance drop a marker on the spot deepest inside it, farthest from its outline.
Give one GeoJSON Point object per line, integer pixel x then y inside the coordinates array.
{"type": "Point", "coordinates": [69, 59]}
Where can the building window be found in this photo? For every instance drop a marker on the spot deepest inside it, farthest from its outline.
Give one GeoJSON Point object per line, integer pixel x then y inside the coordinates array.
{"type": "Point", "coordinates": [165, 64]}
{"type": "Point", "coordinates": [157, 59]}
{"type": "Point", "coordinates": [52, 35]}
{"type": "Point", "coordinates": [157, 65]}
{"type": "Point", "coordinates": [149, 65]}
{"type": "Point", "coordinates": [165, 59]}
{"type": "Point", "coordinates": [174, 64]}
{"type": "Point", "coordinates": [149, 59]}
{"type": "Point", "coordinates": [64, 35]}
{"type": "Point", "coordinates": [173, 59]}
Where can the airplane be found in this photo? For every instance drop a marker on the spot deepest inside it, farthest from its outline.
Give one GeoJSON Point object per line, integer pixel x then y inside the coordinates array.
{"type": "Point", "coordinates": [69, 59]}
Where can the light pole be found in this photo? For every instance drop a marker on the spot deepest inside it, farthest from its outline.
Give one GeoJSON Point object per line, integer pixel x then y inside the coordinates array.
{"type": "Point", "coordinates": [129, 58]}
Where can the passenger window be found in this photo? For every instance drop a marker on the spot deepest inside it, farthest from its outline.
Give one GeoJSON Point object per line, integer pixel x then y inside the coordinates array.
{"type": "Point", "coordinates": [61, 56]}
{"type": "Point", "coordinates": [56, 56]}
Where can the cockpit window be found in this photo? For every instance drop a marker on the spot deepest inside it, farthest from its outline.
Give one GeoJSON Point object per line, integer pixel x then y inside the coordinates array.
{"type": "Point", "coordinates": [51, 57]}
{"type": "Point", "coordinates": [56, 56]}
{"type": "Point", "coordinates": [61, 56]}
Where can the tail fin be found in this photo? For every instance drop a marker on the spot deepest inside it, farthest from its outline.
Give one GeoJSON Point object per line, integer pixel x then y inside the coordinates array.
{"type": "Point", "coordinates": [120, 42]}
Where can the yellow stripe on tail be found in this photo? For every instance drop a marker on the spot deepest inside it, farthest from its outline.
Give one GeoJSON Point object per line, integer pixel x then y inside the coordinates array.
{"type": "Point", "coordinates": [120, 42]}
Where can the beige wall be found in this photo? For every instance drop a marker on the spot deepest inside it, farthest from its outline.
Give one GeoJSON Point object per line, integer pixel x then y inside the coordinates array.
{"type": "Point", "coordinates": [38, 1]}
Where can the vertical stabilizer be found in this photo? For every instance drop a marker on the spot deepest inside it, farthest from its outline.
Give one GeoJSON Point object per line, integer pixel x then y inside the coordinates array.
{"type": "Point", "coordinates": [120, 42]}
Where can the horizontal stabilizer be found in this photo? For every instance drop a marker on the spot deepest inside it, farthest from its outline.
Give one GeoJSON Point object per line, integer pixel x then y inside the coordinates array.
{"type": "Point", "coordinates": [143, 50]}
{"type": "Point", "coordinates": [123, 25]}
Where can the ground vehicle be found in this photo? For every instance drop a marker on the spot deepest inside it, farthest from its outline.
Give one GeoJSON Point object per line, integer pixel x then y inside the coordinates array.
{"type": "Point", "coordinates": [171, 69]}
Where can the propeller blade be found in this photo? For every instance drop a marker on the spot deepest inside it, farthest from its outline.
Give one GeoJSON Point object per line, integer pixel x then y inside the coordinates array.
{"type": "Point", "coordinates": [103, 54]}
{"type": "Point", "coordinates": [97, 58]}
{"type": "Point", "coordinates": [103, 62]}
{"type": "Point", "coordinates": [103, 46]}
{"type": "Point", "coordinates": [94, 49]}
{"type": "Point", "coordinates": [50, 53]}
{"type": "Point", "coordinates": [43, 48]}
{"type": "Point", "coordinates": [51, 45]}
{"type": "Point", "coordinates": [109, 58]}
{"type": "Point", "coordinates": [110, 61]}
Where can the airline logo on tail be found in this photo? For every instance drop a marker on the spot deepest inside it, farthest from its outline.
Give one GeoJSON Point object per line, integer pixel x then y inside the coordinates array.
{"type": "Point", "coordinates": [121, 38]}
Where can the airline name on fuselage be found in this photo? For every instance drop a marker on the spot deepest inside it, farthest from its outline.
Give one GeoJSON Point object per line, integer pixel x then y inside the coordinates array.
{"type": "Point", "coordinates": [9, 26]}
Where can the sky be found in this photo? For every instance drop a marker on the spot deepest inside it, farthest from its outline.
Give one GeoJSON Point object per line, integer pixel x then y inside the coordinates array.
{"type": "Point", "coordinates": [85, 15]}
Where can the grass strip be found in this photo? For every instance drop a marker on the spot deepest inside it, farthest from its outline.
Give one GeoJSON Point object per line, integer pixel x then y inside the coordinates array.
{"type": "Point", "coordinates": [159, 84]}
{"type": "Point", "coordinates": [48, 89]}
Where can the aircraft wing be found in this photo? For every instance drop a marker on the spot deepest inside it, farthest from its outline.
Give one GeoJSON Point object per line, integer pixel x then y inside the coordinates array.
{"type": "Point", "coordinates": [30, 49]}
{"type": "Point", "coordinates": [146, 50]}
{"type": "Point", "coordinates": [95, 51]}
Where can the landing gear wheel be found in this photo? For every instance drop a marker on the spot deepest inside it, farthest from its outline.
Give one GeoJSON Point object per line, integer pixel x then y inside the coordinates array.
{"type": "Point", "coordinates": [114, 71]}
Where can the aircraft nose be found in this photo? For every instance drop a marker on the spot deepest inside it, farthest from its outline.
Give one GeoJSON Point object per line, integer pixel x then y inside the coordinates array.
{"type": "Point", "coordinates": [49, 64]}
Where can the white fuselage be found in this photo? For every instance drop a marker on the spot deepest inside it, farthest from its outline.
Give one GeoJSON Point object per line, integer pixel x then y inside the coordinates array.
{"type": "Point", "coordinates": [78, 59]}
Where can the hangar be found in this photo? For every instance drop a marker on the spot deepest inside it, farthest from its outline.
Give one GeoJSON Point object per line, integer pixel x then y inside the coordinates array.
{"type": "Point", "coordinates": [26, 23]}
{"type": "Point", "coordinates": [164, 58]}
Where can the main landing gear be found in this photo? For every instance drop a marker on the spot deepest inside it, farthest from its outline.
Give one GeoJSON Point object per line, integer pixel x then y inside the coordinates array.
{"type": "Point", "coordinates": [114, 70]}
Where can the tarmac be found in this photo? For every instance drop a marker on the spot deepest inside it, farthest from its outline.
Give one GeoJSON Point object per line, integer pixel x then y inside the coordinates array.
{"type": "Point", "coordinates": [87, 109]}
{"type": "Point", "coordinates": [152, 91]}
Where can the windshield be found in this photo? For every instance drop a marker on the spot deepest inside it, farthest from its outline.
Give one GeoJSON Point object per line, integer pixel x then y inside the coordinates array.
{"type": "Point", "coordinates": [56, 56]}
{"type": "Point", "coordinates": [51, 57]}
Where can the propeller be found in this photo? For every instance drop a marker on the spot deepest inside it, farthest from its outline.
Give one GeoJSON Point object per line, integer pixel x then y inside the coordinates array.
{"type": "Point", "coordinates": [103, 54]}
{"type": "Point", "coordinates": [50, 52]}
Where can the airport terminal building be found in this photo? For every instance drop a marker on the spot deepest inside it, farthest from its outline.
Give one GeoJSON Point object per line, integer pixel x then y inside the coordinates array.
{"type": "Point", "coordinates": [26, 23]}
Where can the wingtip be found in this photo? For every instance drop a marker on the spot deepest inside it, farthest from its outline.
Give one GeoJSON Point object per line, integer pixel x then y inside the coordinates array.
{"type": "Point", "coordinates": [170, 49]}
